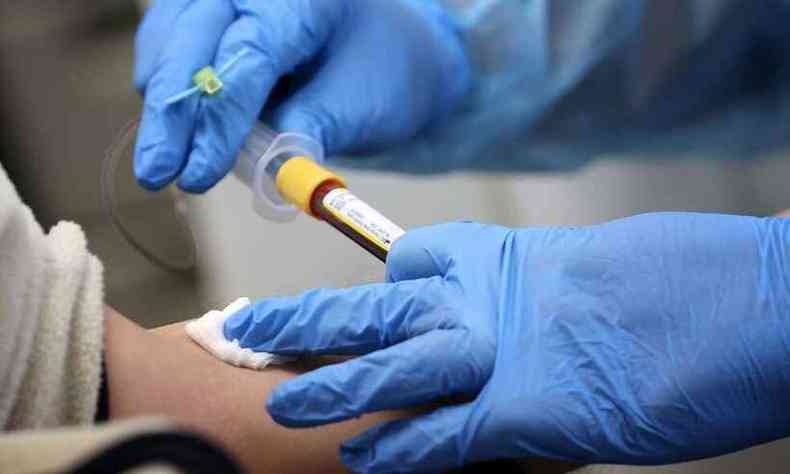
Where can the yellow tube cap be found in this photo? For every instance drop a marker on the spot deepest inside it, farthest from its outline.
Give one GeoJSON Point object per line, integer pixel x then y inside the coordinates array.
{"type": "Point", "coordinates": [299, 177]}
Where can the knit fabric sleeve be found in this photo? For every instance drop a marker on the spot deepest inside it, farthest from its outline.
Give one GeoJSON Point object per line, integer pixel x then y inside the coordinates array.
{"type": "Point", "coordinates": [51, 320]}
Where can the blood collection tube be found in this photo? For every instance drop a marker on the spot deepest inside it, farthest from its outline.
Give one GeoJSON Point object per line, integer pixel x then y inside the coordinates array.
{"type": "Point", "coordinates": [323, 195]}
{"type": "Point", "coordinates": [379, 248]}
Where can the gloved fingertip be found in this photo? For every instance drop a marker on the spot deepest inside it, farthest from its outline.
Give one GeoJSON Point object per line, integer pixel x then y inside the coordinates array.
{"type": "Point", "coordinates": [238, 324]}
{"type": "Point", "coordinates": [277, 412]}
{"type": "Point", "coordinates": [302, 403]}
{"type": "Point", "coordinates": [283, 403]}
{"type": "Point", "coordinates": [152, 184]}
{"type": "Point", "coordinates": [411, 259]}
{"type": "Point", "coordinates": [154, 168]}
{"type": "Point", "coordinates": [198, 177]}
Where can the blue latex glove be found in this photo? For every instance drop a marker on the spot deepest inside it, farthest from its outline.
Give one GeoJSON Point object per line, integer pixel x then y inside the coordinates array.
{"type": "Point", "coordinates": [365, 75]}
{"type": "Point", "coordinates": [556, 82]}
{"type": "Point", "coordinates": [652, 339]}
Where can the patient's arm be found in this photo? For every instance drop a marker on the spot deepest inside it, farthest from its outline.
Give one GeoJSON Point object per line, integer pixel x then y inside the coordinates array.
{"type": "Point", "coordinates": [164, 372]}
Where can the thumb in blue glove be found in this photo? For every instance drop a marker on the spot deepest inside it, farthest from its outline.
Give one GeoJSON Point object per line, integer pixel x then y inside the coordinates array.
{"type": "Point", "coordinates": [366, 75]}
{"type": "Point", "coordinates": [652, 339]}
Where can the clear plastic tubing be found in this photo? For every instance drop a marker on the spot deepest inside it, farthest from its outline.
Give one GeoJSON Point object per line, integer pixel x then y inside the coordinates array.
{"type": "Point", "coordinates": [286, 176]}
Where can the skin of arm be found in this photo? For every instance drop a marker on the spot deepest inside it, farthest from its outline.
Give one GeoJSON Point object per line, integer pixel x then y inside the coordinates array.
{"type": "Point", "coordinates": [162, 372]}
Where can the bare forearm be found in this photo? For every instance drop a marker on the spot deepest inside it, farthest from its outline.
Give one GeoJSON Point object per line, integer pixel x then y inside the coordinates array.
{"type": "Point", "coordinates": [164, 373]}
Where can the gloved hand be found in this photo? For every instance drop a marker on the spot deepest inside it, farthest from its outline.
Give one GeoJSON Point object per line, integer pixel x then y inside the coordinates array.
{"type": "Point", "coordinates": [364, 75]}
{"type": "Point", "coordinates": [652, 339]}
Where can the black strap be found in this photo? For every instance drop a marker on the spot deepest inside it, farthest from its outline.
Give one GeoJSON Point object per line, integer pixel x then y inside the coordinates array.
{"type": "Point", "coordinates": [103, 402]}
{"type": "Point", "coordinates": [180, 450]}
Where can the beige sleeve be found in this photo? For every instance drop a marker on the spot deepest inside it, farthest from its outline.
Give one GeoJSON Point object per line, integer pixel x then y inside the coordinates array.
{"type": "Point", "coordinates": [60, 449]}
{"type": "Point", "coordinates": [51, 313]}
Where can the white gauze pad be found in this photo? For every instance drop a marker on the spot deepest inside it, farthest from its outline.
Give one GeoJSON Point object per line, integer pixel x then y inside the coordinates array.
{"type": "Point", "coordinates": [208, 332]}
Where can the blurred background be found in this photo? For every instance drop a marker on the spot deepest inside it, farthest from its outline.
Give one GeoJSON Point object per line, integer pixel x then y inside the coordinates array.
{"type": "Point", "coordinates": [65, 71]}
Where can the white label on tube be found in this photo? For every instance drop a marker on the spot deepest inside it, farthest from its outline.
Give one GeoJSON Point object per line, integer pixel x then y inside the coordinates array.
{"type": "Point", "coordinates": [355, 213]}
